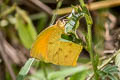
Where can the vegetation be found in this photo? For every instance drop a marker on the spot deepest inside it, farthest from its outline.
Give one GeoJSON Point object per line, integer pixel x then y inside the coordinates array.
{"type": "Point", "coordinates": [94, 25]}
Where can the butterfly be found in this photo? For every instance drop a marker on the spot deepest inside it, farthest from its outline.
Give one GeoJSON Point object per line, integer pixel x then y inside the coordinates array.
{"type": "Point", "coordinates": [50, 48]}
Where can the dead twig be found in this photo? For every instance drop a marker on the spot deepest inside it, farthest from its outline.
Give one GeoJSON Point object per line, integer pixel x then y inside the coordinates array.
{"type": "Point", "coordinates": [4, 56]}
{"type": "Point", "coordinates": [2, 70]}
{"type": "Point", "coordinates": [42, 6]}
{"type": "Point", "coordinates": [11, 52]}
{"type": "Point", "coordinates": [30, 5]}
{"type": "Point", "coordinates": [8, 11]}
{"type": "Point", "coordinates": [15, 55]}
{"type": "Point", "coordinates": [91, 6]}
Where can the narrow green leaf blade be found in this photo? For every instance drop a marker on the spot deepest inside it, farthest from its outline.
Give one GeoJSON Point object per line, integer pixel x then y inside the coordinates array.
{"type": "Point", "coordinates": [25, 69]}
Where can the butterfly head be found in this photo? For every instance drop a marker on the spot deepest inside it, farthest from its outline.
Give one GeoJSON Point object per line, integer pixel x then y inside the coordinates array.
{"type": "Point", "coordinates": [60, 24]}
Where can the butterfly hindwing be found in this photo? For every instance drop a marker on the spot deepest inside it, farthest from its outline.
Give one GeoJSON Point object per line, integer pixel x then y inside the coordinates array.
{"type": "Point", "coordinates": [68, 53]}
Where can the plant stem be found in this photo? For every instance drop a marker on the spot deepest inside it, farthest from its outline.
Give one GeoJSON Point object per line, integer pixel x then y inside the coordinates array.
{"type": "Point", "coordinates": [89, 37]}
{"type": "Point", "coordinates": [44, 70]}
{"type": "Point", "coordinates": [91, 52]}
{"type": "Point", "coordinates": [8, 11]}
{"type": "Point", "coordinates": [55, 15]}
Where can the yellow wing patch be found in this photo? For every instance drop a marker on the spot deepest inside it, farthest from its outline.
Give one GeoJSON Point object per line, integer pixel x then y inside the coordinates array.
{"type": "Point", "coordinates": [39, 48]}
{"type": "Point", "coordinates": [49, 48]}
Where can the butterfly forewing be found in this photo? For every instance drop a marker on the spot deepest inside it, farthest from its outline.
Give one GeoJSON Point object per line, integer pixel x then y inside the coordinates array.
{"type": "Point", "coordinates": [39, 47]}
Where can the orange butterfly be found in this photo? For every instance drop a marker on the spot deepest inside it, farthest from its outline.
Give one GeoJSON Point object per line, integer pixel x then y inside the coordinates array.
{"type": "Point", "coordinates": [49, 48]}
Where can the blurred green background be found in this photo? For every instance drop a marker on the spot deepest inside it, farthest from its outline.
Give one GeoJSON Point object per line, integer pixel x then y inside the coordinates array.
{"type": "Point", "coordinates": [22, 20]}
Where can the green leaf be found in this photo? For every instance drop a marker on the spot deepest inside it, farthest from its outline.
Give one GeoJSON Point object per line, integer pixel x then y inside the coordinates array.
{"type": "Point", "coordinates": [67, 72]}
{"type": "Point", "coordinates": [73, 21]}
{"type": "Point", "coordinates": [112, 77]}
{"type": "Point", "coordinates": [79, 76]}
{"type": "Point", "coordinates": [109, 71]}
{"type": "Point", "coordinates": [71, 37]}
{"type": "Point", "coordinates": [25, 69]}
{"type": "Point", "coordinates": [39, 75]}
{"type": "Point", "coordinates": [26, 30]}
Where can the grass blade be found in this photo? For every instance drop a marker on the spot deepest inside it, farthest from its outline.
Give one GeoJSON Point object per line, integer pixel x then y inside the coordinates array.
{"type": "Point", "coordinates": [25, 69]}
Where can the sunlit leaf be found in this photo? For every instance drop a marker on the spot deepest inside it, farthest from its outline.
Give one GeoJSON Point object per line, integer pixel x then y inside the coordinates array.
{"type": "Point", "coordinates": [25, 30]}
